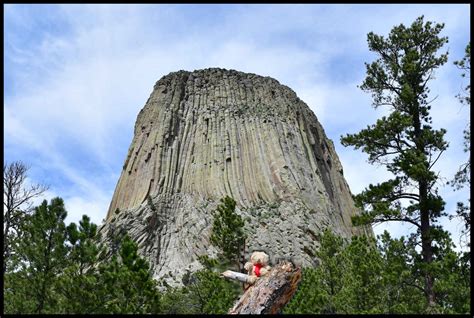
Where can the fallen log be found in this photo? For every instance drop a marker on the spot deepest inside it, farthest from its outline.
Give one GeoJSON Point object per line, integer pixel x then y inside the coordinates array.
{"type": "Point", "coordinates": [269, 293]}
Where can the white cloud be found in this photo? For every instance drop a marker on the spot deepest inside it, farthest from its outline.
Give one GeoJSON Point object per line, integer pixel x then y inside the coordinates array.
{"type": "Point", "coordinates": [76, 207]}
{"type": "Point", "coordinates": [77, 93]}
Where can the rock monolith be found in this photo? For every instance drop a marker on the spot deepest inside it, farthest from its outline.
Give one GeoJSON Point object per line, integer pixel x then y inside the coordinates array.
{"type": "Point", "coordinates": [209, 133]}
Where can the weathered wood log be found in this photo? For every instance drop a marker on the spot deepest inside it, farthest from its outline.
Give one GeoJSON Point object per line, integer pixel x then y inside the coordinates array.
{"type": "Point", "coordinates": [244, 278]}
{"type": "Point", "coordinates": [271, 292]}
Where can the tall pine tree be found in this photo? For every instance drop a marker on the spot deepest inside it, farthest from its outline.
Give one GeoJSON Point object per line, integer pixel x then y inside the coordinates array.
{"type": "Point", "coordinates": [404, 141]}
{"type": "Point", "coordinates": [228, 232]}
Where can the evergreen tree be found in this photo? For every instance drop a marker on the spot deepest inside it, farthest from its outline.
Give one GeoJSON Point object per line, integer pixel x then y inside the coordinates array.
{"type": "Point", "coordinates": [59, 269]}
{"type": "Point", "coordinates": [228, 232]}
{"type": "Point", "coordinates": [453, 272]}
{"type": "Point", "coordinates": [348, 279]}
{"type": "Point", "coordinates": [402, 291]}
{"type": "Point", "coordinates": [78, 282]}
{"type": "Point", "coordinates": [17, 293]}
{"type": "Point", "coordinates": [84, 249]}
{"type": "Point", "coordinates": [125, 284]}
{"type": "Point", "coordinates": [324, 289]}
{"type": "Point", "coordinates": [361, 277]}
{"type": "Point", "coordinates": [404, 141]}
{"type": "Point", "coordinates": [210, 293]}
{"type": "Point", "coordinates": [357, 277]}
{"type": "Point", "coordinates": [178, 300]}
{"type": "Point", "coordinates": [204, 293]}
{"type": "Point", "coordinates": [41, 259]}
{"type": "Point", "coordinates": [365, 267]}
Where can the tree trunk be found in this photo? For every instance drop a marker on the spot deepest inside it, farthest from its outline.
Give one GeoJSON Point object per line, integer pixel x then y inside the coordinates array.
{"type": "Point", "coordinates": [426, 247]}
{"type": "Point", "coordinates": [6, 246]}
{"type": "Point", "coordinates": [423, 192]}
{"type": "Point", "coordinates": [271, 292]}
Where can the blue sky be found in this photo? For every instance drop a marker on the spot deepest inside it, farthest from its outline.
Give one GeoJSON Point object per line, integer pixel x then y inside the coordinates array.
{"type": "Point", "coordinates": [76, 77]}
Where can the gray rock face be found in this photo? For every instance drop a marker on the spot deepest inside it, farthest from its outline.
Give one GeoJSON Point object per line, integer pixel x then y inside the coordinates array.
{"type": "Point", "coordinates": [215, 132]}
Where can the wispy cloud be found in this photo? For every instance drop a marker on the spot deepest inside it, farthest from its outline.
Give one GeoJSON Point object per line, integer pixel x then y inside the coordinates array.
{"type": "Point", "coordinates": [76, 77]}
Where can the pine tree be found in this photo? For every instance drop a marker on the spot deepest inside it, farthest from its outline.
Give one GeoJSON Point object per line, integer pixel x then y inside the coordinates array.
{"type": "Point", "coordinates": [228, 232]}
{"type": "Point", "coordinates": [324, 289]}
{"type": "Point", "coordinates": [402, 291]}
{"type": "Point", "coordinates": [177, 300]}
{"type": "Point", "coordinates": [59, 269]}
{"type": "Point", "coordinates": [41, 258]}
{"type": "Point", "coordinates": [125, 284]}
{"type": "Point", "coordinates": [364, 277]}
{"type": "Point", "coordinates": [453, 272]}
{"type": "Point", "coordinates": [210, 293]}
{"type": "Point", "coordinates": [366, 271]}
{"type": "Point", "coordinates": [404, 141]}
{"type": "Point", "coordinates": [79, 280]}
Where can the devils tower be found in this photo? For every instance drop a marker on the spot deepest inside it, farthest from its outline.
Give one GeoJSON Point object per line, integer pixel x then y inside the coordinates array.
{"type": "Point", "coordinates": [214, 132]}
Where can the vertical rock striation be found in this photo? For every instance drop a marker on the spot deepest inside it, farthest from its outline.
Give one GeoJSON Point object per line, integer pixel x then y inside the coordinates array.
{"type": "Point", "coordinates": [215, 132]}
